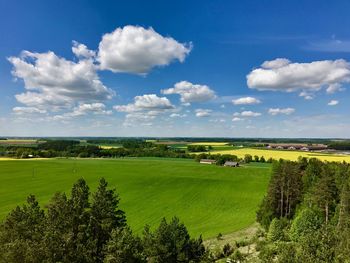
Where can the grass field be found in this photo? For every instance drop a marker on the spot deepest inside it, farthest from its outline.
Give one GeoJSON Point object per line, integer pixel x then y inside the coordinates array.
{"type": "Point", "coordinates": [288, 155]}
{"type": "Point", "coordinates": [208, 198]}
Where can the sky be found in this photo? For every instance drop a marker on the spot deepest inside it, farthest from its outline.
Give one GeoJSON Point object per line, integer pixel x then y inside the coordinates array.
{"type": "Point", "coordinates": [175, 68]}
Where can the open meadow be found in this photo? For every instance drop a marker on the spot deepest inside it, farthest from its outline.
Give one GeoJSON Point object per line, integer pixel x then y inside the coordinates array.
{"type": "Point", "coordinates": [208, 198]}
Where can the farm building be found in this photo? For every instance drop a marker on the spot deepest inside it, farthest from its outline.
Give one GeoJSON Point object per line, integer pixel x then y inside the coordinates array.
{"type": "Point", "coordinates": [231, 164]}
{"type": "Point", "coordinates": [207, 161]}
{"type": "Point", "coordinates": [306, 149]}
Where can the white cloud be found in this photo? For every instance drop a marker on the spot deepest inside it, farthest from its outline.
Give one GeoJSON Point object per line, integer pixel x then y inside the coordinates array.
{"type": "Point", "coordinates": [135, 49]}
{"type": "Point", "coordinates": [333, 103]}
{"type": "Point", "coordinates": [282, 75]}
{"type": "Point", "coordinates": [247, 114]}
{"type": "Point", "coordinates": [52, 81]}
{"type": "Point", "coordinates": [203, 112]}
{"type": "Point", "coordinates": [81, 51]}
{"type": "Point", "coordinates": [246, 101]}
{"type": "Point", "coordinates": [191, 92]}
{"type": "Point", "coordinates": [147, 102]}
{"type": "Point", "coordinates": [27, 110]}
{"type": "Point", "coordinates": [333, 88]}
{"type": "Point", "coordinates": [95, 108]}
{"type": "Point", "coordinates": [177, 115]}
{"type": "Point", "coordinates": [276, 111]}
{"type": "Point", "coordinates": [306, 95]}
{"type": "Point", "coordinates": [237, 119]}
{"type": "Point", "coordinates": [276, 63]}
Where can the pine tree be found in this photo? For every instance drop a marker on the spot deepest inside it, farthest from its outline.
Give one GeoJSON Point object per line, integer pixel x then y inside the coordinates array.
{"type": "Point", "coordinates": [105, 216]}
{"type": "Point", "coordinates": [21, 234]}
{"type": "Point", "coordinates": [123, 247]}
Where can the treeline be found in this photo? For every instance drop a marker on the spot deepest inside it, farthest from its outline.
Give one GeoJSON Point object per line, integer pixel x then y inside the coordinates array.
{"type": "Point", "coordinates": [222, 158]}
{"type": "Point", "coordinates": [306, 212]}
{"type": "Point", "coordinates": [73, 148]}
{"type": "Point", "coordinates": [341, 145]}
{"type": "Point", "coordinates": [85, 228]}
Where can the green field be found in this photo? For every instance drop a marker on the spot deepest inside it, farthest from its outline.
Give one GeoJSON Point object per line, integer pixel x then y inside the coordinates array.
{"type": "Point", "coordinates": [208, 198]}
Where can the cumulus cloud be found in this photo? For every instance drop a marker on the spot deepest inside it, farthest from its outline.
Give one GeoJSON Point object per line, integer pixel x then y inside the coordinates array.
{"type": "Point", "coordinates": [333, 103]}
{"type": "Point", "coordinates": [282, 75]}
{"type": "Point", "coordinates": [54, 81]}
{"type": "Point", "coordinates": [135, 49]}
{"type": "Point", "coordinates": [246, 101]}
{"type": "Point", "coordinates": [81, 50]}
{"type": "Point", "coordinates": [147, 102]}
{"type": "Point", "coordinates": [95, 108]}
{"type": "Point", "coordinates": [276, 111]}
{"type": "Point", "coordinates": [190, 92]}
{"type": "Point", "coordinates": [203, 112]}
{"type": "Point", "coordinates": [247, 114]}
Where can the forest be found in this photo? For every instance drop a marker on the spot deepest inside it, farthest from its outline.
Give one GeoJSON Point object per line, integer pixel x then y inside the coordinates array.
{"type": "Point", "coordinates": [306, 213]}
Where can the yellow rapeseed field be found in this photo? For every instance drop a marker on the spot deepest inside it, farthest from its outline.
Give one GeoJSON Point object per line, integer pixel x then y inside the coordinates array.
{"type": "Point", "coordinates": [288, 155]}
{"type": "Point", "coordinates": [209, 143]}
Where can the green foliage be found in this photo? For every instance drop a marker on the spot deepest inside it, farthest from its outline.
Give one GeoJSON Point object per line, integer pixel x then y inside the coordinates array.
{"type": "Point", "coordinates": [277, 230]}
{"type": "Point", "coordinates": [320, 231]}
{"type": "Point", "coordinates": [123, 247]}
{"type": "Point", "coordinates": [248, 158]}
{"type": "Point", "coordinates": [196, 148]}
{"type": "Point", "coordinates": [171, 243]}
{"type": "Point", "coordinates": [306, 222]}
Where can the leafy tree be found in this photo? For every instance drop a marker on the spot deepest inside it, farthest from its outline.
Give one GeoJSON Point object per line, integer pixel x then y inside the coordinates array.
{"type": "Point", "coordinates": [248, 158]}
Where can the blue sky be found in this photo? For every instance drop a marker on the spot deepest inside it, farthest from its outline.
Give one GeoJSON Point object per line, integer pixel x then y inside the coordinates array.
{"type": "Point", "coordinates": [181, 68]}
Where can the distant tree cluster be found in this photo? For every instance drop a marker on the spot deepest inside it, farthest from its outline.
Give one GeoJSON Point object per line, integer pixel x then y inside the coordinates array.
{"type": "Point", "coordinates": [306, 212]}
{"type": "Point", "coordinates": [77, 229]}
{"type": "Point", "coordinates": [222, 158]}
{"type": "Point", "coordinates": [196, 148]}
{"type": "Point", "coordinates": [341, 145]}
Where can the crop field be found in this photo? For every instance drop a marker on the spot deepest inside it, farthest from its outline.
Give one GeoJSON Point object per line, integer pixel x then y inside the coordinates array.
{"type": "Point", "coordinates": [288, 155]}
{"type": "Point", "coordinates": [208, 198]}
{"type": "Point", "coordinates": [209, 143]}
{"type": "Point", "coordinates": [19, 142]}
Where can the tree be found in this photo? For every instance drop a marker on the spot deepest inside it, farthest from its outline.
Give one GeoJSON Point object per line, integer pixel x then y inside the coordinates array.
{"type": "Point", "coordinates": [277, 230]}
{"type": "Point", "coordinates": [171, 243]}
{"type": "Point", "coordinates": [248, 158]}
{"type": "Point", "coordinates": [105, 216]}
{"type": "Point", "coordinates": [123, 247]}
{"type": "Point", "coordinates": [325, 192]}
{"type": "Point", "coordinates": [58, 228]}
{"type": "Point", "coordinates": [306, 222]}
{"type": "Point", "coordinates": [21, 234]}
{"type": "Point", "coordinates": [78, 251]}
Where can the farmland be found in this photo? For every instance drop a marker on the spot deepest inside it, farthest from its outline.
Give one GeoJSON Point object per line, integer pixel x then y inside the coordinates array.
{"type": "Point", "coordinates": [282, 154]}
{"type": "Point", "coordinates": [209, 199]}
